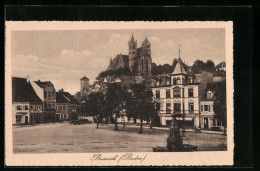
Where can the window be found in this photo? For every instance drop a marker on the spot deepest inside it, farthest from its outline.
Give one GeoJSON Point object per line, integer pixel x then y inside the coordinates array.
{"type": "Point", "coordinates": [61, 107]}
{"type": "Point", "coordinates": [157, 94]}
{"type": "Point", "coordinates": [45, 94]}
{"type": "Point", "coordinates": [31, 107]}
{"type": "Point", "coordinates": [182, 92]}
{"type": "Point", "coordinates": [190, 80]}
{"type": "Point", "coordinates": [206, 108]}
{"type": "Point", "coordinates": [49, 105]}
{"type": "Point", "coordinates": [53, 105]}
{"type": "Point", "coordinates": [53, 95]}
{"type": "Point", "coordinates": [201, 107]}
{"type": "Point", "coordinates": [168, 94]}
{"type": "Point", "coordinates": [19, 107]}
{"type": "Point", "coordinates": [158, 106]}
{"type": "Point", "coordinates": [38, 107]}
{"type": "Point", "coordinates": [158, 83]}
{"type": "Point", "coordinates": [174, 81]}
{"type": "Point", "coordinates": [209, 95]}
{"type": "Point", "coordinates": [18, 118]}
{"type": "Point", "coordinates": [25, 107]}
{"type": "Point", "coordinates": [146, 64]}
{"type": "Point", "coordinates": [176, 93]}
{"type": "Point", "coordinates": [168, 82]}
{"type": "Point", "coordinates": [191, 107]}
{"type": "Point", "coordinates": [49, 95]}
{"type": "Point", "coordinates": [177, 107]}
{"type": "Point", "coordinates": [168, 107]}
{"type": "Point", "coordinates": [178, 80]}
{"type": "Point", "coordinates": [190, 92]}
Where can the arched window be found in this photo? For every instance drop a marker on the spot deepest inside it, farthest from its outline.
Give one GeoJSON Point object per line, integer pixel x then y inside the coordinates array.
{"type": "Point", "coordinates": [146, 64]}
{"type": "Point", "coordinates": [174, 81]}
{"type": "Point", "coordinates": [178, 80]}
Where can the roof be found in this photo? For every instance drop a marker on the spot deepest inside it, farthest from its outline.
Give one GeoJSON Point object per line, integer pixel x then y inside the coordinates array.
{"type": "Point", "coordinates": [43, 84]}
{"type": "Point", "coordinates": [214, 86]}
{"type": "Point", "coordinates": [179, 68]}
{"type": "Point", "coordinates": [221, 65]}
{"type": "Point", "coordinates": [132, 38]}
{"type": "Point", "coordinates": [60, 98]}
{"type": "Point", "coordinates": [71, 97]}
{"type": "Point", "coordinates": [23, 91]}
{"type": "Point", "coordinates": [84, 78]}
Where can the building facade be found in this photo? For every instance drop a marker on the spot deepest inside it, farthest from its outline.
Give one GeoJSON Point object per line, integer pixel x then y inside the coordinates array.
{"type": "Point", "coordinates": [62, 107]}
{"type": "Point", "coordinates": [178, 95]}
{"type": "Point", "coordinates": [46, 91]}
{"type": "Point", "coordinates": [138, 61]}
{"type": "Point", "coordinates": [27, 107]}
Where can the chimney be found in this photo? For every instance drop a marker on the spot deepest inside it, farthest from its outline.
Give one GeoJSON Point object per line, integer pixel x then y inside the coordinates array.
{"type": "Point", "coordinates": [39, 80]}
{"type": "Point", "coordinates": [27, 79]}
{"type": "Point", "coordinates": [62, 90]}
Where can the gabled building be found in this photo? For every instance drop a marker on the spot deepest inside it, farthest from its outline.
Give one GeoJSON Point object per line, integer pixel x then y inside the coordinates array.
{"type": "Point", "coordinates": [73, 105]}
{"type": "Point", "coordinates": [46, 91]}
{"type": "Point", "coordinates": [62, 107]}
{"type": "Point", "coordinates": [178, 95]}
{"type": "Point", "coordinates": [27, 107]}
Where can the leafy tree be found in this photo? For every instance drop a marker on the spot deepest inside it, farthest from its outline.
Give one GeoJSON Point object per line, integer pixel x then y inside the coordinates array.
{"type": "Point", "coordinates": [94, 106]}
{"type": "Point", "coordinates": [115, 101]}
{"type": "Point", "coordinates": [141, 105]}
{"type": "Point", "coordinates": [197, 67]}
{"type": "Point", "coordinates": [220, 105]}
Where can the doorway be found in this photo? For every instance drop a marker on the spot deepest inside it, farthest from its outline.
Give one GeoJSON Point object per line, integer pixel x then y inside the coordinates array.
{"type": "Point", "coordinates": [26, 119]}
{"type": "Point", "coordinates": [206, 123]}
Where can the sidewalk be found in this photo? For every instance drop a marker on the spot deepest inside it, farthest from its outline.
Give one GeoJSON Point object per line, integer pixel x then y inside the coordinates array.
{"type": "Point", "coordinates": [187, 130]}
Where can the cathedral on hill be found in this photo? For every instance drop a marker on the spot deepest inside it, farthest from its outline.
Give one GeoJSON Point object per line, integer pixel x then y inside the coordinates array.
{"type": "Point", "coordinates": [138, 61]}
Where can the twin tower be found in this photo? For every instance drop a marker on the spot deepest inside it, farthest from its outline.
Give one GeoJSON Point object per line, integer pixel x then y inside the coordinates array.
{"type": "Point", "coordinates": [139, 60]}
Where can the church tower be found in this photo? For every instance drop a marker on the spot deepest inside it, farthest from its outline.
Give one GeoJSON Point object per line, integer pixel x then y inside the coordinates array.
{"type": "Point", "coordinates": [145, 63]}
{"type": "Point", "coordinates": [132, 53]}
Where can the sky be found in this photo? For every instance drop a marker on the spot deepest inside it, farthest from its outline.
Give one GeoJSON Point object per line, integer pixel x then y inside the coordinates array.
{"type": "Point", "coordinates": [65, 56]}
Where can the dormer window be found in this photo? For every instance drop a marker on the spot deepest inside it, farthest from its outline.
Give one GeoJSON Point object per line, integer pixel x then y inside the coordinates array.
{"type": "Point", "coordinates": [209, 95]}
{"type": "Point", "coordinates": [158, 83]}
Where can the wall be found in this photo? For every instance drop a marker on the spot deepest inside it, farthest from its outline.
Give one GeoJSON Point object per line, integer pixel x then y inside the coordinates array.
{"type": "Point", "coordinates": [15, 111]}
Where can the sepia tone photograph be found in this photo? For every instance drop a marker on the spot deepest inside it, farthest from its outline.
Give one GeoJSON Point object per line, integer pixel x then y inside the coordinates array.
{"type": "Point", "coordinates": [120, 92]}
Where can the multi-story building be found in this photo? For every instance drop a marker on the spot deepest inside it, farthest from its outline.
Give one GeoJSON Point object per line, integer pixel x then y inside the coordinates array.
{"type": "Point", "coordinates": [74, 105]}
{"type": "Point", "coordinates": [62, 107]}
{"type": "Point", "coordinates": [46, 91]}
{"type": "Point", "coordinates": [26, 105]}
{"type": "Point", "coordinates": [178, 95]}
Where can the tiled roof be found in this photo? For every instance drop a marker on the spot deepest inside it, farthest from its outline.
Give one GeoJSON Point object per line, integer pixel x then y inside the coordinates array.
{"type": "Point", "coordinates": [23, 91]}
{"type": "Point", "coordinates": [60, 98]}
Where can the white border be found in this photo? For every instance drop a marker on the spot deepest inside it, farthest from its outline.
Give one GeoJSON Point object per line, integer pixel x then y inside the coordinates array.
{"type": "Point", "coordinates": [152, 159]}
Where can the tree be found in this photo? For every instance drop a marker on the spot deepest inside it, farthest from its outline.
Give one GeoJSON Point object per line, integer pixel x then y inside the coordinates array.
{"type": "Point", "coordinates": [94, 106]}
{"type": "Point", "coordinates": [141, 103]}
{"type": "Point", "coordinates": [115, 101]}
{"type": "Point", "coordinates": [220, 105]}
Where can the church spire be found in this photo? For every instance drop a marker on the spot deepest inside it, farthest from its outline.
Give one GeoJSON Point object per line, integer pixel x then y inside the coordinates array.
{"type": "Point", "coordinates": [132, 38]}
{"type": "Point", "coordinates": [179, 51]}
